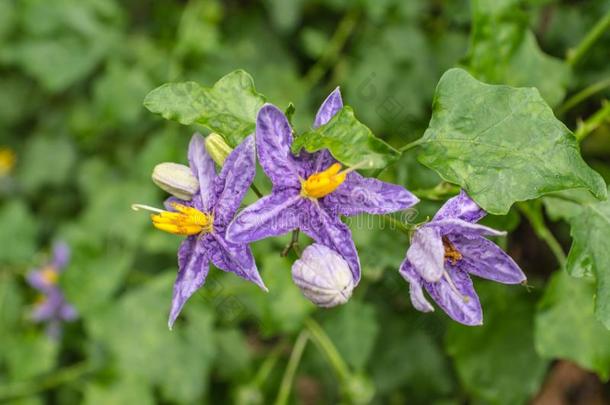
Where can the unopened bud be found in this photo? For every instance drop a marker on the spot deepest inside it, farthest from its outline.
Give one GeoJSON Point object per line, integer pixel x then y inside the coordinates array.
{"type": "Point", "coordinates": [217, 148]}
{"type": "Point", "coordinates": [176, 179]}
{"type": "Point", "coordinates": [323, 276]}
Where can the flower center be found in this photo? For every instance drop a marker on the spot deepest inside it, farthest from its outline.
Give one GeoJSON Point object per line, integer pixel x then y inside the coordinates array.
{"type": "Point", "coordinates": [184, 221]}
{"type": "Point", "coordinates": [451, 253]}
{"type": "Point", "coordinates": [323, 183]}
{"type": "Point", "coordinates": [49, 275]}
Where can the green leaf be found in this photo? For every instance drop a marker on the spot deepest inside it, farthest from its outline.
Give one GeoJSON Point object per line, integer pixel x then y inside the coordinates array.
{"type": "Point", "coordinates": [502, 144]}
{"type": "Point", "coordinates": [125, 391]}
{"type": "Point", "coordinates": [18, 236]}
{"type": "Point", "coordinates": [497, 362]}
{"type": "Point", "coordinates": [350, 142]}
{"type": "Point", "coordinates": [228, 108]}
{"type": "Point", "coordinates": [46, 161]}
{"type": "Point", "coordinates": [353, 329]}
{"type": "Point", "coordinates": [566, 327]}
{"type": "Point", "coordinates": [31, 354]}
{"type": "Point", "coordinates": [503, 50]}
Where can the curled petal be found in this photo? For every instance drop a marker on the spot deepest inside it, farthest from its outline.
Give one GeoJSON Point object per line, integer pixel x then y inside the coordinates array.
{"type": "Point", "coordinates": [457, 297]}
{"type": "Point", "coordinates": [467, 229]}
{"type": "Point", "coordinates": [485, 259]}
{"type": "Point", "coordinates": [273, 215]}
{"type": "Point", "coordinates": [194, 268]}
{"type": "Point", "coordinates": [273, 141]}
{"type": "Point", "coordinates": [427, 254]}
{"type": "Point", "coordinates": [234, 179]}
{"type": "Point", "coordinates": [416, 292]}
{"type": "Point", "coordinates": [202, 166]}
{"type": "Point", "coordinates": [460, 207]}
{"type": "Point", "coordinates": [360, 194]}
{"type": "Point", "coordinates": [235, 258]}
{"type": "Point", "coordinates": [331, 232]}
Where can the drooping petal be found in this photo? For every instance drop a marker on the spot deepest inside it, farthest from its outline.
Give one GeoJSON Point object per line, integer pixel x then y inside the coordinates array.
{"type": "Point", "coordinates": [273, 140]}
{"type": "Point", "coordinates": [194, 268]}
{"type": "Point", "coordinates": [331, 106]}
{"type": "Point", "coordinates": [234, 179]}
{"type": "Point", "coordinates": [330, 231]}
{"type": "Point", "coordinates": [485, 259]}
{"type": "Point", "coordinates": [61, 255]}
{"type": "Point", "coordinates": [467, 229]}
{"type": "Point", "coordinates": [202, 166]}
{"type": "Point", "coordinates": [360, 194]}
{"type": "Point", "coordinates": [235, 258]}
{"type": "Point", "coordinates": [273, 215]}
{"type": "Point", "coordinates": [457, 297]}
{"type": "Point", "coordinates": [416, 291]}
{"type": "Point", "coordinates": [460, 207]}
{"type": "Point", "coordinates": [427, 254]}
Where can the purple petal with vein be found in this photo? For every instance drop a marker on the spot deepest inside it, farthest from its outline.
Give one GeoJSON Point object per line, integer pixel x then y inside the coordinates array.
{"type": "Point", "coordinates": [331, 106]}
{"type": "Point", "coordinates": [203, 169]}
{"type": "Point", "coordinates": [235, 258]}
{"type": "Point", "coordinates": [462, 305]}
{"type": "Point", "coordinates": [460, 207]}
{"type": "Point", "coordinates": [449, 226]}
{"type": "Point", "coordinates": [416, 292]}
{"type": "Point", "coordinates": [427, 254]}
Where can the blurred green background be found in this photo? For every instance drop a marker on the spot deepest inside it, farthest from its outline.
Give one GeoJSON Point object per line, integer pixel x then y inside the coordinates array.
{"type": "Point", "coordinates": [73, 74]}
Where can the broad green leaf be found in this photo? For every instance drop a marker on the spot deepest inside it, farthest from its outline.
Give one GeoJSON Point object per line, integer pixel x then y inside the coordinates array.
{"type": "Point", "coordinates": [228, 108]}
{"type": "Point", "coordinates": [350, 142]}
{"type": "Point", "coordinates": [566, 327]}
{"type": "Point", "coordinates": [353, 328]}
{"type": "Point", "coordinates": [125, 391]}
{"type": "Point", "coordinates": [503, 50]}
{"type": "Point", "coordinates": [497, 362]}
{"type": "Point", "coordinates": [30, 354]}
{"type": "Point", "coordinates": [18, 236]}
{"type": "Point", "coordinates": [501, 144]}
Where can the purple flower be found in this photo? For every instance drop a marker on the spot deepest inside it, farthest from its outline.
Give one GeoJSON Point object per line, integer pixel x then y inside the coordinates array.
{"type": "Point", "coordinates": [204, 220]}
{"type": "Point", "coordinates": [443, 254]}
{"type": "Point", "coordinates": [52, 307]}
{"type": "Point", "coordinates": [309, 191]}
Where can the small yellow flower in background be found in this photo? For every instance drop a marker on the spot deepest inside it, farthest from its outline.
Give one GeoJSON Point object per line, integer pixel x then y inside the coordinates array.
{"type": "Point", "coordinates": [7, 161]}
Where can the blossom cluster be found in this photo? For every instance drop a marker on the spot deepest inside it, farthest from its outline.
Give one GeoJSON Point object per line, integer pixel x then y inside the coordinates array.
{"type": "Point", "coordinates": [310, 193]}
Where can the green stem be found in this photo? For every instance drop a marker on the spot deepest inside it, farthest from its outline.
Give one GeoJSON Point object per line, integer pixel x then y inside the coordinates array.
{"type": "Point", "coordinates": [30, 387]}
{"type": "Point", "coordinates": [331, 53]}
{"type": "Point", "coordinates": [291, 368]}
{"type": "Point", "coordinates": [586, 127]}
{"type": "Point", "coordinates": [575, 55]}
{"type": "Point", "coordinates": [583, 95]}
{"type": "Point", "coordinates": [256, 191]}
{"type": "Point", "coordinates": [411, 145]}
{"type": "Point", "coordinates": [323, 342]}
{"type": "Point", "coordinates": [439, 192]}
{"type": "Point", "coordinates": [404, 228]}
{"type": "Point", "coordinates": [294, 244]}
{"type": "Point", "coordinates": [268, 365]}
{"type": "Point", "coordinates": [536, 219]}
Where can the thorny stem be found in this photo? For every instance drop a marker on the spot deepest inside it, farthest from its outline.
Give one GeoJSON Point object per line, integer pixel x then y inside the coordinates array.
{"type": "Point", "coordinates": [575, 55]}
{"type": "Point", "coordinates": [24, 388]}
{"type": "Point", "coordinates": [593, 122]}
{"type": "Point", "coordinates": [326, 346]}
{"type": "Point", "coordinates": [583, 95]}
{"type": "Point", "coordinates": [291, 368]}
{"type": "Point", "coordinates": [331, 53]}
{"type": "Point", "coordinates": [294, 244]}
{"type": "Point", "coordinates": [536, 219]}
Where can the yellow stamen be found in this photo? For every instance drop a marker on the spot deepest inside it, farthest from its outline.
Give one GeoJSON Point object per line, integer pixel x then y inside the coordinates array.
{"type": "Point", "coordinates": [451, 253]}
{"type": "Point", "coordinates": [184, 221]}
{"type": "Point", "coordinates": [323, 183]}
{"type": "Point", "coordinates": [49, 275]}
{"type": "Point", "coordinates": [7, 161]}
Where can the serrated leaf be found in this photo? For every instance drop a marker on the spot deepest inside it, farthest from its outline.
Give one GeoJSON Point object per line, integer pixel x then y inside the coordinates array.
{"type": "Point", "coordinates": [501, 144]}
{"type": "Point", "coordinates": [566, 327]}
{"type": "Point", "coordinates": [350, 142]}
{"type": "Point", "coordinates": [228, 108]}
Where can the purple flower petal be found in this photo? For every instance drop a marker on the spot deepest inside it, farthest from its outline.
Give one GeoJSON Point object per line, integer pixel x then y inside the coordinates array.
{"type": "Point", "coordinates": [359, 194]}
{"type": "Point", "coordinates": [460, 207]}
{"type": "Point", "coordinates": [485, 259]}
{"type": "Point", "coordinates": [331, 232]}
{"type": "Point", "coordinates": [203, 169]}
{"type": "Point", "coordinates": [427, 254]}
{"type": "Point", "coordinates": [36, 280]}
{"type": "Point", "coordinates": [331, 106]}
{"type": "Point", "coordinates": [174, 200]}
{"type": "Point", "coordinates": [194, 268]}
{"type": "Point", "coordinates": [457, 298]}
{"type": "Point", "coordinates": [233, 182]}
{"type": "Point", "coordinates": [273, 215]}
{"type": "Point", "coordinates": [61, 255]}
{"type": "Point", "coordinates": [234, 258]}
{"type": "Point", "coordinates": [273, 140]}
{"type": "Point", "coordinates": [67, 312]}
{"type": "Point", "coordinates": [457, 226]}
{"type": "Point", "coordinates": [416, 292]}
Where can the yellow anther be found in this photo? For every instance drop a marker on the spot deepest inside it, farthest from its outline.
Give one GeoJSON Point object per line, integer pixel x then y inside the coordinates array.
{"type": "Point", "coordinates": [451, 253]}
{"type": "Point", "coordinates": [49, 275]}
{"type": "Point", "coordinates": [7, 161]}
{"type": "Point", "coordinates": [323, 183]}
{"type": "Point", "coordinates": [184, 221]}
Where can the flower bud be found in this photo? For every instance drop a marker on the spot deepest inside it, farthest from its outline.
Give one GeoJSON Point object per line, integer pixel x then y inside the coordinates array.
{"type": "Point", "coordinates": [176, 179]}
{"type": "Point", "coordinates": [323, 276]}
{"type": "Point", "coordinates": [217, 148]}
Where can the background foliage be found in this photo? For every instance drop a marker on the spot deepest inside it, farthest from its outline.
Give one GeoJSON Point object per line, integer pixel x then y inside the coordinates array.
{"type": "Point", "coordinates": [73, 77]}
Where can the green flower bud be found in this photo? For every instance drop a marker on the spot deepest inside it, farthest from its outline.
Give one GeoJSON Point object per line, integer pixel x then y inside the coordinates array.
{"type": "Point", "coordinates": [176, 179]}
{"type": "Point", "coordinates": [217, 148]}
